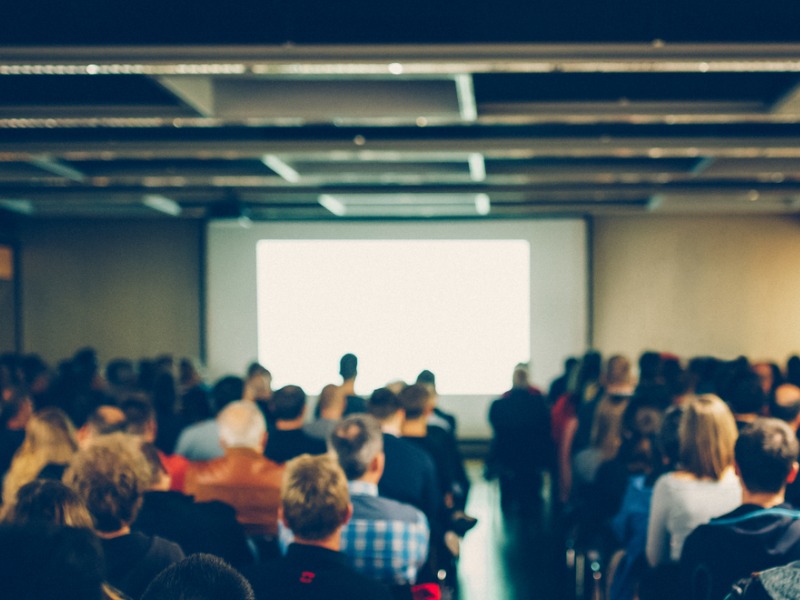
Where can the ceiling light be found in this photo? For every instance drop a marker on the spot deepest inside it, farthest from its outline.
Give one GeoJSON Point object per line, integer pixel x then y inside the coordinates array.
{"type": "Point", "coordinates": [477, 167]}
{"type": "Point", "coordinates": [281, 168]}
{"type": "Point", "coordinates": [333, 205]}
{"type": "Point", "coordinates": [162, 204]}
{"type": "Point", "coordinates": [482, 204]}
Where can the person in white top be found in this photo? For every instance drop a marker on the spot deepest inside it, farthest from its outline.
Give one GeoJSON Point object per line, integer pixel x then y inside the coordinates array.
{"type": "Point", "coordinates": [704, 486]}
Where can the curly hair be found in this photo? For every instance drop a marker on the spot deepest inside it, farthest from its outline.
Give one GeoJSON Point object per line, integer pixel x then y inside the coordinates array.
{"type": "Point", "coordinates": [110, 476]}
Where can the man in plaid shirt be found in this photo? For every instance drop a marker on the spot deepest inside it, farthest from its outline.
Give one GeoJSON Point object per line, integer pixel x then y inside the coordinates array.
{"type": "Point", "coordinates": [385, 539]}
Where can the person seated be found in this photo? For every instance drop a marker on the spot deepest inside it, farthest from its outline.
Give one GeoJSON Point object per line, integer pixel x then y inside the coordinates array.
{"type": "Point", "coordinates": [103, 420]}
{"type": "Point", "coordinates": [763, 532]}
{"type": "Point", "coordinates": [409, 475]}
{"type": "Point", "coordinates": [140, 420]}
{"type": "Point", "coordinates": [704, 487]}
{"type": "Point", "coordinates": [110, 476]}
{"type": "Point", "coordinates": [199, 577]}
{"type": "Point", "coordinates": [201, 440]}
{"type": "Point", "coordinates": [16, 409]}
{"type": "Point", "coordinates": [258, 389]}
{"type": "Point", "coordinates": [243, 477]}
{"type": "Point", "coordinates": [437, 417]}
{"type": "Point", "coordinates": [385, 539]}
{"type": "Point", "coordinates": [39, 562]}
{"type": "Point", "coordinates": [330, 408]}
{"type": "Point", "coordinates": [47, 502]}
{"type": "Point", "coordinates": [288, 439]}
{"type": "Point", "coordinates": [744, 394]}
{"type": "Point", "coordinates": [209, 527]}
{"type": "Point", "coordinates": [49, 445]}
{"type": "Point", "coordinates": [315, 506]}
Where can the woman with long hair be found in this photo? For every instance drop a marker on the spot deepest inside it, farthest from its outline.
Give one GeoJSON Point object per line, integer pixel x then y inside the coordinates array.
{"type": "Point", "coordinates": [49, 440]}
{"type": "Point", "coordinates": [704, 485]}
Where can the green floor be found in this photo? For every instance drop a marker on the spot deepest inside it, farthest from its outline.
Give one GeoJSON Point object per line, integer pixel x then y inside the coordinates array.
{"type": "Point", "coordinates": [507, 560]}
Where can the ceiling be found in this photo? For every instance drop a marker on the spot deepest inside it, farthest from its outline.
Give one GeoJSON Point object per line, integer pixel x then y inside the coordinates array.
{"type": "Point", "coordinates": [101, 120]}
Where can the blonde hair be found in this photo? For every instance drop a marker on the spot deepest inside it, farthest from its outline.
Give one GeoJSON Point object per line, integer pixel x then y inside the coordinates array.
{"type": "Point", "coordinates": [606, 432]}
{"type": "Point", "coordinates": [314, 496]}
{"type": "Point", "coordinates": [707, 434]}
{"type": "Point", "coordinates": [49, 438]}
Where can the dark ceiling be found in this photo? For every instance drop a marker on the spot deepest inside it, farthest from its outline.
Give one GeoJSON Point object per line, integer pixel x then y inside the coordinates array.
{"type": "Point", "coordinates": [311, 109]}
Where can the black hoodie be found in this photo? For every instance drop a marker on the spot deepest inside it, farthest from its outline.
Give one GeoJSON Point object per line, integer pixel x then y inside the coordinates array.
{"type": "Point", "coordinates": [735, 545]}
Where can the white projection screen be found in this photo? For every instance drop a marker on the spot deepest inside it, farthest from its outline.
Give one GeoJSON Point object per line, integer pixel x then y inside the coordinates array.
{"type": "Point", "coordinates": [465, 300]}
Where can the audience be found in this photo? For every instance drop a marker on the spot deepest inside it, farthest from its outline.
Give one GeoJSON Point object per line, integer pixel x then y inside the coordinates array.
{"type": "Point", "coordinates": [288, 440]}
{"type": "Point", "coordinates": [704, 486]}
{"type": "Point", "coordinates": [675, 494]}
{"type": "Point", "coordinates": [385, 539]}
{"type": "Point", "coordinates": [315, 506]}
{"type": "Point", "coordinates": [49, 445]}
{"type": "Point", "coordinates": [200, 441]}
{"type": "Point", "coordinates": [199, 577]}
{"type": "Point", "coordinates": [763, 532]}
{"type": "Point", "coordinates": [242, 477]}
{"type": "Point", "coordinates": [111, 476]}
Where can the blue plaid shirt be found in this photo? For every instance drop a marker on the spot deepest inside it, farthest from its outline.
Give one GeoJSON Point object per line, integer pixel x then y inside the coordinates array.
{"type": "Point", "coordinates": [385, 540]}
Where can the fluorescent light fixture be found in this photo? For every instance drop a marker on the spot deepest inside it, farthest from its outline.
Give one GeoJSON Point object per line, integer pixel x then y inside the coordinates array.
{"type": "Point", "coordinates": [466, 97]}
{"type": "Point", "coordinates": [281, 168]}
{"type": "Point", "coordinates": [412, 206]}
{"type": "Point", "coordinates": [477, 167]}
{"type": "Point", "coordinates": [482, 204]}
{"type": "Point", "coordinates": [56, 167]}
{"type": "Point", "coordinates": [162, 204]}
{"type": "Point", "coordinates": [19, 206]}
{"type": "Point", "coordinates": [332, 204]}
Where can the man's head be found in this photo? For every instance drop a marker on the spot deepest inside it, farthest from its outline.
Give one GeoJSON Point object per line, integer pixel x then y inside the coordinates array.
{"type": "Point", "coordinates": [744, 393]}
{"type": "Point", "coordinates": [383, 404]}
{"type": "Point", "coordinates": [259, 383]}
{"type": "Point", "coordinates": [289, 403]}
{"type": "Point", "coordinates": [241, 425]}
{"type": "Point", "coordinates": [103, 420]}
{"type": "Point", "coordinates": [140, 418]}
{"type": "Point", "coordinates": [110, 476]}
{"type": "Point", "coordinates": [199, 577]}
{"type": "Point", "coordinates": [331, 402]}
{"type": "Point", "coordinates": [348, 367]}
{"type": "Point", "coordinates": [786, 404]}
{"type": "Point", "coordinates": [357, 442]}
{"type": "Point", "coordinates": [416, 400]}
{"type": "Point", "coordinates": [315, 502]}
{"type": "Point", "coordinates": [766, 455]}
{"type": "Point", "coordinates": [226, 390]}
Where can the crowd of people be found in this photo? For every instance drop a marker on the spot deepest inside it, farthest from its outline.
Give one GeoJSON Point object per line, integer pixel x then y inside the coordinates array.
{"type": "Point", "coordinates": [140, 481]}
{"type": "Point", "coordinates": [682, 482]}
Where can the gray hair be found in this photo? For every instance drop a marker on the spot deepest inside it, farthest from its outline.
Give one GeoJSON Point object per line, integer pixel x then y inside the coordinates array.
{"type": "Point", "coordinates": [356, 441]}
{"type": "Point", "coordinates": [241, 425]}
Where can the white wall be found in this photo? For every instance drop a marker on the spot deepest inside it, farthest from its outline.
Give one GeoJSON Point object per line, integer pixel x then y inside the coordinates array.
{"type": "Point", "coordinates": [559, 292]}
{"type": "Point", "coordinates": [723, 286]}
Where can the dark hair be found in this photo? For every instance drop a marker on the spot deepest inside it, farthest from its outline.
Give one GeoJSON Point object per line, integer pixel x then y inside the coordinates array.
{"type": "Point", "coordinates": [383, 403]}
{"type": "Point", "coordinates": [120, 371]}
{"type": "Point", "coordinates": [744, 393]}
{"type": "Point", "coordinates": [228, 389]}
{"type": "Point", "coordinates": [288, 403]}
{"type": "Point", "coordinates": [138, 414]}
{"type": "Point", "coordinates": [199, 577]}
{"type": "Point", "coordinates": [793, 370]}
{"type": "Point", "coordinates": [38, 562]}
{"type": "Point", "coordinates": [426, 377]}
{"type": "Point", "coordinates": [414, 399]}
{"type": "Point", "coordinates": [49, 502]}
{"type": "Point", "coordinates": [257, 369]}
{"type": "Point", "coordinates": [765, 452]}
{"type": "Point", "coordinates": [348, 366]}
{"type": "Point", "coordinates": [356, 441]}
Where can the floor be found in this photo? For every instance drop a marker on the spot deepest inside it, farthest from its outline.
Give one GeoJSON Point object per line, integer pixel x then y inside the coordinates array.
{"type": "Point", "coordinates": [508, 559]}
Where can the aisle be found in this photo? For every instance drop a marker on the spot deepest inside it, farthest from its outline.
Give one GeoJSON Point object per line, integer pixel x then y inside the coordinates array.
{"type": "Point", "coordinates": [506, 560]}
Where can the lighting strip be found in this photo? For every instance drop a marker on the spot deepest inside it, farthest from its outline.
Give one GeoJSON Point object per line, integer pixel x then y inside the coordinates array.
{"type": "Point", "coordinates": [466, 97]}
{"type": "Point", "coordinates": [281, 168]}
{"type": "Point", "coordinates": [483, 205]}
{"type": "Point", "coordinates": [477, 167]}
{"type": "Point", "coordinates": [162, 204]}
{"type": "Point", "coordinates": [333, 205]}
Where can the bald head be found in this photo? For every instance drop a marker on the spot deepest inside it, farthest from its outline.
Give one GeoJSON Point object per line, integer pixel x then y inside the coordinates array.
{"type": "Point", "coordinates": [786, 405]}
{"type": "Point", "coordinates": [241, 425]}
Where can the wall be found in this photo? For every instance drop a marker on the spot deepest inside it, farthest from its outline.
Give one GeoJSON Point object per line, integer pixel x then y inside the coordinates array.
{"type": "Point", "coordinates": [127, 288]}
{"type": "Point", "coordinates": [697, 285]}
